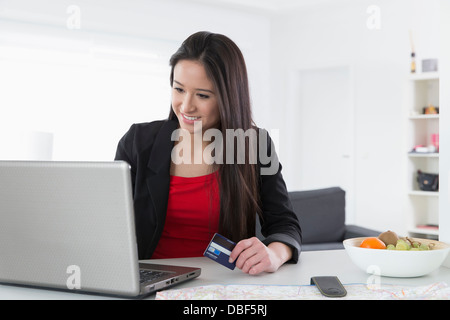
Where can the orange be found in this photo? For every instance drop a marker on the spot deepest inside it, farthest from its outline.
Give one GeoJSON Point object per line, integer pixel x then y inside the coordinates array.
{"type": "Point", "coordinates": [373, 243]}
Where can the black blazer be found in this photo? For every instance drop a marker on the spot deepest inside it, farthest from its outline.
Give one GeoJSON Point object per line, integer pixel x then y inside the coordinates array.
{"type": "Point", "coordinates": [147, 148]}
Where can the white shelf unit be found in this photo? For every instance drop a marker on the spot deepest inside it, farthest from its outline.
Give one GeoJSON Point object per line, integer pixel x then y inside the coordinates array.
{"type": "Point", "coordinates": [422, 206]}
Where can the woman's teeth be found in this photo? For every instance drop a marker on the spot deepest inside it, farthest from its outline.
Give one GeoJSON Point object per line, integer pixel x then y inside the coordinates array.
{"type": "Point", "coordinates": [190, 118]}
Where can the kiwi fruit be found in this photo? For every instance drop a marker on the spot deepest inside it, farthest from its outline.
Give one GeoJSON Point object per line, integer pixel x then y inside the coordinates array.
{"type": "Point", "coordinates": [388, 237]}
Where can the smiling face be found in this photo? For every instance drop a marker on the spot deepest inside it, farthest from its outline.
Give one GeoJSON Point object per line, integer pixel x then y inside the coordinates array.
{"type": "Point", "coordinates": [193, 96]}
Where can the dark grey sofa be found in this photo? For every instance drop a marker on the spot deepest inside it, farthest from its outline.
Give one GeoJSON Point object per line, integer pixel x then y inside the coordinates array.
{"type": "Point", "coordinates": [321, 214]}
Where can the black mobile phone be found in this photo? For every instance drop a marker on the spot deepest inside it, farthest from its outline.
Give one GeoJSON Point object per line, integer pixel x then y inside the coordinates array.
{"type": "Point", "coordinates": [329, 286]}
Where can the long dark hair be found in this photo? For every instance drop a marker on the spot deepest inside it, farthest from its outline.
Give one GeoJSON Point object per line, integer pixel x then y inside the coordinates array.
{"type": "Point", "coordinates": [225, 67]}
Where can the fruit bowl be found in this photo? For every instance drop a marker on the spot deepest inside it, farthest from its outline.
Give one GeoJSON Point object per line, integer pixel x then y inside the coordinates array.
{"type": "Point", "coordinates": [397, 263]}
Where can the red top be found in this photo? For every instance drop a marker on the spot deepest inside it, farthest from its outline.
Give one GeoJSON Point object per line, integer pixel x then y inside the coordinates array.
{"type": "Point", "coordinates": [192, 217]}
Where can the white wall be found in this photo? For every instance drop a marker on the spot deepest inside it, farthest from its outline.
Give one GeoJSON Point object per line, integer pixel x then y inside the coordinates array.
{"type": "Point", "coordinates": [338, 35]}
{"type": "Point", "coordinates": [87, 82]}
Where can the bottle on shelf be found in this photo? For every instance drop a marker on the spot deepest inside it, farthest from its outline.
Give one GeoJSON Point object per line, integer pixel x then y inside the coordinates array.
{"type": "Point", "coordinates": [413, 62]}
{"type": "Point", "coordinates": [413, 53]}
{"type": "Point", "coordinates": [435, 141]}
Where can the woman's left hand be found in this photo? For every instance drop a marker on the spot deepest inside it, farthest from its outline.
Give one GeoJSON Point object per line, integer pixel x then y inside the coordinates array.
{"type": "Point", "coordinates": [254, 257]}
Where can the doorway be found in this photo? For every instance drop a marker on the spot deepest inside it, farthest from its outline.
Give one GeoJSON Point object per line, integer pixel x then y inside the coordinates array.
{"type": "Point", "coordinates": [322, 131]}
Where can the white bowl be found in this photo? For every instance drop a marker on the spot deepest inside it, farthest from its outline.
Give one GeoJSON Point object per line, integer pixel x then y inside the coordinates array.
{"type": "Point", "coordinates": [397, 263]}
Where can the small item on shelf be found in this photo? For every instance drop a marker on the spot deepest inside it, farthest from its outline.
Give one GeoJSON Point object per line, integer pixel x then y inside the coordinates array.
{"type": "Point", "coordinates": [428, 181]}
{"type": "Point", "coordinates": [428, 226]}
{"type": "Point", "coordinates": [429, 65]}
{"type": "Point", "coordinates": [432, 148]}
{"type": "Point", "coordinates": [430, 109]}
{"type": "Point", "coordinates": [413, 62]}
{"type": "Point", "coordinates": [420, 149]}
{"type": "Point", "coordinates": [435, 141]}
{"type": "Point", "coordinates": [413, 53]}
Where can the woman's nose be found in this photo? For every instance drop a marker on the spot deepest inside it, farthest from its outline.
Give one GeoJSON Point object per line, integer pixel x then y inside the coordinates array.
{"type": "Point", "coordinates": [187, 105]}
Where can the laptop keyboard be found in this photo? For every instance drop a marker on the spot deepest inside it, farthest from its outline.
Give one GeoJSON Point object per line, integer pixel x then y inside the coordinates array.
{"type": "Point", "coordinates": [150, 275]}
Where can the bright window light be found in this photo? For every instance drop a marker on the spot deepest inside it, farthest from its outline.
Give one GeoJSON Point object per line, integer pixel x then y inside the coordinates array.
{"type": "Point", "coordinates": [83, 90]}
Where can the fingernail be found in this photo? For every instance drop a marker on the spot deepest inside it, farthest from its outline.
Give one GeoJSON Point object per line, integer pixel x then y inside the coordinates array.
{"type": "Point", "coordinates": [230, 260]}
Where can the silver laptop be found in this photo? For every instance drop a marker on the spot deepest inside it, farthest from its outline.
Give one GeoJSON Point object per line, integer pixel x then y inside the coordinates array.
{"type": "Point", "coordinates": [70, 226]}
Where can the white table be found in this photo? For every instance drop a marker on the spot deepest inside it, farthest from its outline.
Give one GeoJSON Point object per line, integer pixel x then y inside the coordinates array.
{"type": "Point", "coordinates": [312, 263]}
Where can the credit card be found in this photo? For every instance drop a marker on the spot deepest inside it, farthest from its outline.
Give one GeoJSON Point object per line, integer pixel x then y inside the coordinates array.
{"type": "Point", "coordinates": [219, 250]}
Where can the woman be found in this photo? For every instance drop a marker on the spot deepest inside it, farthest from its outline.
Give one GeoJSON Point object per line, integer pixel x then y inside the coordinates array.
{"type": "Point", "coordinates": [179, 205]}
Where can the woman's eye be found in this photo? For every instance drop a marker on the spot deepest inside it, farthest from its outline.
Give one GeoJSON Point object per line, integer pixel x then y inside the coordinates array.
{"type": "Point", "coordinates": [179, 90]}
{"type": "Point", "coordinates": [203, 96]}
